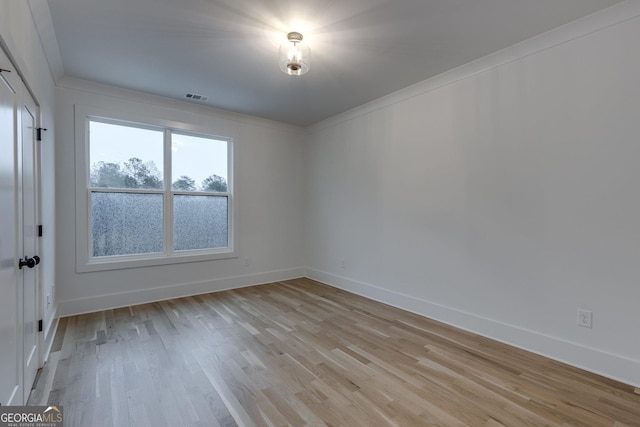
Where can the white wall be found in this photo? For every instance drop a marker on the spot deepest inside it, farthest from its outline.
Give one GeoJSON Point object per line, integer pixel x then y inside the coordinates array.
{"type": "Point", "coordinates": [19, 36]}
{"type": "Point", "coordinates": [499, 197]}
{"type": "Point", "coordinates": [270, 200]}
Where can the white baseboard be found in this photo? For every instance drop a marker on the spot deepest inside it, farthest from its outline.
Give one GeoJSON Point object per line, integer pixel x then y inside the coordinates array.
{"type": "Point", "coordinates": [72, 307]}
{"type": "Point", "coordinates": [609, 365]}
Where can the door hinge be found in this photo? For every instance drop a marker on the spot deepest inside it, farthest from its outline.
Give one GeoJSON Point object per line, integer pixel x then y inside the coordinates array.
{"type": "Point", "coordinates": [39, 133]}
{"type": "Point", "coordinates": [40, 325]}
{"type": "Point", "coordinates": [40, 230]}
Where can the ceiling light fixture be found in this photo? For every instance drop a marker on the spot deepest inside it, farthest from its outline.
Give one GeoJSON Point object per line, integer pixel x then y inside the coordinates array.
{"type": "Point", "coordinates": [294, 55]}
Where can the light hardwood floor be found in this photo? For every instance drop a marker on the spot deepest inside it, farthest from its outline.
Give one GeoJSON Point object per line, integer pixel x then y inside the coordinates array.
{"type": "Point", "coordinates": [301, 353]}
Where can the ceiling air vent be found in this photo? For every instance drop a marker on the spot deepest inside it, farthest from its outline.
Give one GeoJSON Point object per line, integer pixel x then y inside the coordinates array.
{"type": "Point", "coordinates": [196, 97]}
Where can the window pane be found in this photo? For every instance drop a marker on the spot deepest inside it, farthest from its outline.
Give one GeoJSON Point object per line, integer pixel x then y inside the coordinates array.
{"type": "Point", "coordinates": [126, 224]}
{"type": "Point", "coordinates": [200, 222]}
{"type": "Point", "coordinates": [199, 164]}
{"type": "Point", "coordinates": [125, 156]}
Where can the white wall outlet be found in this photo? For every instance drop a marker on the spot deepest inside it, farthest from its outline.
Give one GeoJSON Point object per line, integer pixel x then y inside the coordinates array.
{"type": "Point", "coordinates": [247, 262]}
{"type": "Point", "coordinates": [48, 300]}
{"type": "Point", "coordinates": [342, 263]}
{"type": "Point", "coordinates": [585, 318]}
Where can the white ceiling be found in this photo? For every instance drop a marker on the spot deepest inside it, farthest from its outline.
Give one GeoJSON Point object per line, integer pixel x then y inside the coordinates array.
{"type": "Point", "coordinates": [228, 49]}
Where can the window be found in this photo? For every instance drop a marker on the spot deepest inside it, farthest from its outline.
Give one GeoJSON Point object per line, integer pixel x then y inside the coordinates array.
{"type": "Point", "coordinates": [152, 194]}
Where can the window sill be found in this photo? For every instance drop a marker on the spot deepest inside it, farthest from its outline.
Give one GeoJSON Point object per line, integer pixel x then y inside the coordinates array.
{"type": "Point", "coordinates": [121, 263]}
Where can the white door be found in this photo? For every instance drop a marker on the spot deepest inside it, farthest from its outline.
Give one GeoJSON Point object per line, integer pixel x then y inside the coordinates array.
{"type": "Point", "coordinates": [19, 245]}
{"type": "Point", "coordinates": [11, 392]}
{"type": "Point", "coordinates": [30, 249]}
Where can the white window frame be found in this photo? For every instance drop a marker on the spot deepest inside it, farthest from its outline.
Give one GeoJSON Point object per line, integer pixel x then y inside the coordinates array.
{"type": "Point", "coordinates": [85, 262]}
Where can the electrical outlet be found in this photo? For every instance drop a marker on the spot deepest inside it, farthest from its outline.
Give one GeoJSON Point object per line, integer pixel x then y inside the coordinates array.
{"type": "Point", "coordinates": [342, 263]}
{"type": "Point", "coordinates": [247, 262]}
{"type": "Point", "coordinates": [585, 318]}
{"type": "Point", "coordinates": [48, 300]}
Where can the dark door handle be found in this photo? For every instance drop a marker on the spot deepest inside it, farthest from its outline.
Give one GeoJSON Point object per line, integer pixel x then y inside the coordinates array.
{"type": "Point", "coordinates": [29, 262]}
{"type": "Point", "coordinates": [36, 258]}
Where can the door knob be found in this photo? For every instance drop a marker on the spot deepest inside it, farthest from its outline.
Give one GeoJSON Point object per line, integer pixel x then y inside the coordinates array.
{"type": "Point", "coordinates": [29, 262]}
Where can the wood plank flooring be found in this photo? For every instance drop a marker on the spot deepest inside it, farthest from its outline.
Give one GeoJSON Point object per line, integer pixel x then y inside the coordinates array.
{"type": "Point", "coordinates": [299, 353]}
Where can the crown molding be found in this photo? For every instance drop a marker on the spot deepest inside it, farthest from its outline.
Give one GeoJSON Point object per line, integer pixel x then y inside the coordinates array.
{"type": "Point", "coordinates": [44, 26]}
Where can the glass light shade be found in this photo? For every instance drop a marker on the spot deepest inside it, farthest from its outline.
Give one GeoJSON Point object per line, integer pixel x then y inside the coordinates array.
{"type": "Point", "coordinates": [295, 56]}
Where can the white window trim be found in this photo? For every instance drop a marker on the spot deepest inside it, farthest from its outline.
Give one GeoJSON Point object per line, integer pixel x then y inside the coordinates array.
{"type": "Point", "coordinates": [84, 261]}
